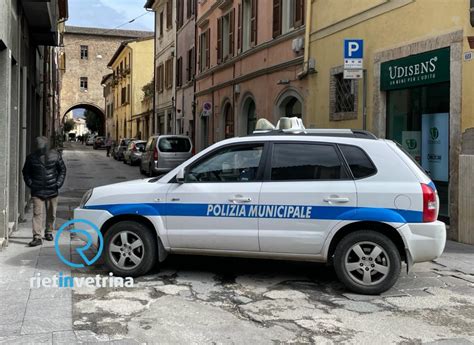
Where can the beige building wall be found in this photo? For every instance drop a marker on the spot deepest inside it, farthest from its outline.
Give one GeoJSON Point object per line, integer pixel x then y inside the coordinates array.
{"type": "Point", "coordinates": [101, 45]}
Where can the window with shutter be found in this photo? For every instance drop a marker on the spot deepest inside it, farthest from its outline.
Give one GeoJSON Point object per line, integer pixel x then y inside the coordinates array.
{"type": "Point", "coordinates": [179, 72]}
{"type": "Point", "coordinates": [179, 13]}
{"type": "Point", "coordinates": [169, 14]}
{"type": "Point", "coordinates": [219, 39]}
{"type": "Point", "coordinates": [277, 17]}
{"type": "Point", "coordinates": [208, 45]}
{"type": "Point", "coordinates": [161, 23]}
{"type": "Point", "coordinates": [239, 29]}
{"type": "Point", "coordinates": [253, 23]}
{"type": "Point", "coordinates": [231, 32]}
{"type": "Point", "coordinates": [299, 13]}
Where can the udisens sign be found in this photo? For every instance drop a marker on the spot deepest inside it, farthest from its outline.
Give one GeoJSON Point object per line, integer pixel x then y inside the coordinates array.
{"type": "Point", "coordinates": [415, 70]}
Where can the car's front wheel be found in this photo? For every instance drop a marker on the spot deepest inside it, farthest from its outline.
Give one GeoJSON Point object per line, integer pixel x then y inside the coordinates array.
{"type": "Point", "coordinates": [130, 249]}
{"type": "Point", "coordinates": [367, 262]}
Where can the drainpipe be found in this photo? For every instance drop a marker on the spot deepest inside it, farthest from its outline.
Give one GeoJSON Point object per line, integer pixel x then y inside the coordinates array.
{"type": "Point", "coordinates": [154, 120]}
{"type": "Point", "coordinates": [307, 35]}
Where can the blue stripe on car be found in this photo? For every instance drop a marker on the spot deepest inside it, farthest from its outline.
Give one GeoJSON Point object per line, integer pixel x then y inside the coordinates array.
{"type": "Point", "coordinates": [264, 211]}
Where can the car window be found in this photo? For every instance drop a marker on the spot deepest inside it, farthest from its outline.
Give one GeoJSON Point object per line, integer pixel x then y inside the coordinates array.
{"type": "Point", "coordinates": [140, 146]}
{"type": "Point", "coordinates": [306, 162]}
{"type": "Point", "coordinates": [231, 164]}
{"type": "Point", "coordinates": [359, 162]}
{"type": "Point", "coordinates": [174, 144]}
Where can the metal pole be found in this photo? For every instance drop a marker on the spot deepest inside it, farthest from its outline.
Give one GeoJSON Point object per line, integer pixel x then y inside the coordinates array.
{"type": "Point", "coordinates": [364, 100]}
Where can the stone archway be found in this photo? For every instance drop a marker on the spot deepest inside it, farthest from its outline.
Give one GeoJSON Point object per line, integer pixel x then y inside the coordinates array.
{"type": "Point", "coordinates": [91, 107]}
{"type": "Point", "coordinates": [248, 115]}
{"type": "Point", "coordinates": [227, 120]}
{"type": "Point", "coordinates": [290, 104]}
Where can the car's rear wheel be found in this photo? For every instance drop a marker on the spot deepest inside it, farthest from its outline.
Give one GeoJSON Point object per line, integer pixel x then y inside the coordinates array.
{"type": "Point", "coordinates": [130, 249]}
{"type": "Point", "coordinates": [150, 171]}
{"type": "Point", "coordinates": [367, 262]}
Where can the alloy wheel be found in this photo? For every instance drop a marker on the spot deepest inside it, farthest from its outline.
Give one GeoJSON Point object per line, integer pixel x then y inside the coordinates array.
{"type": "Point", "coordinates": [367, 263]}
{"type": "Point", "coordinates": [126, 250]}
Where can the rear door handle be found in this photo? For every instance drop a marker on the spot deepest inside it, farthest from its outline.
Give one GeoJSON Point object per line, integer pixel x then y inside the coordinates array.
{"type": "Point", "coordinates": [336, 200]}
{"type": "Point", "coordinates": [240, 200]}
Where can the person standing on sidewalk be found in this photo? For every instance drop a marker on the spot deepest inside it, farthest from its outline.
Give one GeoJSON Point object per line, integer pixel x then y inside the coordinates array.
{"type": "Point", "coordinates": [108, 144]}
{"type": "Point", "coordinates": [44, 173]}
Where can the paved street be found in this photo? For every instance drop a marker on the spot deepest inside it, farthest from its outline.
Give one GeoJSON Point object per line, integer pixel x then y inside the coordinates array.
{"type": "Point", "coordinates": [223, 300]}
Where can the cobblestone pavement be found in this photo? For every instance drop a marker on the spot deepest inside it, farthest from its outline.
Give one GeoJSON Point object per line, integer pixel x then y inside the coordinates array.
{"type": "Point", "coordinates": [225, 300]}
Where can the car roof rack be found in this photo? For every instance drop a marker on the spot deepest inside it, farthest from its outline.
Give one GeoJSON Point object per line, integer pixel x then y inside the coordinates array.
{"type": "Point", "coordinates": [323, 132]}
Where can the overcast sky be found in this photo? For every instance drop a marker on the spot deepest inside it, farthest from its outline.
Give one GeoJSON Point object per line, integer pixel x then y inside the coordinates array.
{"type": "Point", "coordinates": [109, 14]}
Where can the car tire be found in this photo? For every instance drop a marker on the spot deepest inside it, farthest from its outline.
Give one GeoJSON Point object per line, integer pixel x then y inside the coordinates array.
{"type": "Point", "coordinates": [375, 268]}
{"type": "Point", "coordinates": [150, 171]}
{"type": "Point", "coordinates": [122, 260]}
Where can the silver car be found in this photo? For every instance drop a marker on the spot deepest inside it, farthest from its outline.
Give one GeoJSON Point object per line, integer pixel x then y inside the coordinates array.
{"type": "Point", "coordinates": [164, 153]}
{"type": "Point", "coordinates": [133, 154]}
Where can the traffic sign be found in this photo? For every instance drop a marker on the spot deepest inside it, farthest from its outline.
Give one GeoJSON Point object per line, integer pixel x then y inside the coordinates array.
{"type": "Point", "coordinates": [353, 63]}
{"type": "Point", "coordinates": [353, 49]}
{"type": "Point", "coordinates": [353, 74]}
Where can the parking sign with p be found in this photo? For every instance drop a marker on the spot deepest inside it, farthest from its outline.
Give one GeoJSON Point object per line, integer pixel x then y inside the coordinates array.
{"type": "Point", "coordinates": [353, 49]}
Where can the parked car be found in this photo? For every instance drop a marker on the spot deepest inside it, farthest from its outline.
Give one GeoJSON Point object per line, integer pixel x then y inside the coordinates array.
{"type": "Point", "coordinates": [90, 140]}
{"type": "Point", "coordinates": [164, 153]}
{"type": "Point", "coordinates": [342, 197]}
{"type": "Point", "coordinates": [99, 143]}
{"type": "Point", "coordinates": [120, 148]}
{"type": "Point", "coordinates": [134, 151]}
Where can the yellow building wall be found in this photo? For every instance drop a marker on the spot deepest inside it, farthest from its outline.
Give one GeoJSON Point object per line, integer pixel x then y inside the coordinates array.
{"type": "Point", "coordinates": [122, 112]}
{"type": "Point", "coordinates": [383, 24]}
{"type": "Point", "coordinates": [141, 74]}
{"type": "Point", "coordinates": [138, 57]}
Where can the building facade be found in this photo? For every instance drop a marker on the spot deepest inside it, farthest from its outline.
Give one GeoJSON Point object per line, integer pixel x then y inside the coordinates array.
{"type": "Point", "coordinates": [109, 105]}
{"type": "Point", "coordinates": [185, 66]}
{"type": "Point", "coordinates": [30, 33]}
{"type": "Point", "coordinates": [165, 60]}
{"type": "Point", "coordinates": [132, 70]}
{"type": "Point", "coordinates": [86, 53]}
{"type": "Point", "coordinates": [250, 58]}
{"type": "Point", "coordinates": [418, 88]}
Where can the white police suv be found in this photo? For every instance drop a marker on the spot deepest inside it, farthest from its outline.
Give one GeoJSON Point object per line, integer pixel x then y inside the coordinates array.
{"type": "Point", "coordinates": [338, 196]}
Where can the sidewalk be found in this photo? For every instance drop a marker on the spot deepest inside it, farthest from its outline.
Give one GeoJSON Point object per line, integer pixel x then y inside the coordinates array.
{"type": "Point", "coordinates": [37, 315]}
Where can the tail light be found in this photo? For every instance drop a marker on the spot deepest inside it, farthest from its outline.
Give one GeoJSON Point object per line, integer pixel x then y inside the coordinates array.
{"type": "Point", "coordinates": [430, 204]}
{"type": "Point", "coordinates": [134, 148]}
{"type": "Point", "coordinates": [155, 154]}
{"type": "Point", "coordinates": [193, 151]}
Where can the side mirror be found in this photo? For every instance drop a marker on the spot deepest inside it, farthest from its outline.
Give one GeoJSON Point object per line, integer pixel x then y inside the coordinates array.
{"type": "Point", "coordinates": [180, 176]}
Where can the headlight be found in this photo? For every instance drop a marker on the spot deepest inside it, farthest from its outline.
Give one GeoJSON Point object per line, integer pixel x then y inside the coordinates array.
{"type": "Point", "coordinates": [85, 198]}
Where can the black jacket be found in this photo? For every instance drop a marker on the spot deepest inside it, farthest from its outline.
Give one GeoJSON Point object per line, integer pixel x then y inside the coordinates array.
{"type": "Point", "coordinates": [44, 174]}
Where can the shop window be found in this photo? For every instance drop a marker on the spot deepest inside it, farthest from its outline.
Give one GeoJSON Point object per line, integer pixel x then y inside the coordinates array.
{"type": "Point", "coordinates": [343, 96]}
{"type": "Point", "coordinates": [418, 119]}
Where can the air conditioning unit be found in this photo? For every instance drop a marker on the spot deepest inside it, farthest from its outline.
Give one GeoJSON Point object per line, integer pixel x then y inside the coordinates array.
{"type": "Point", "coordinates": [297, 45]}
